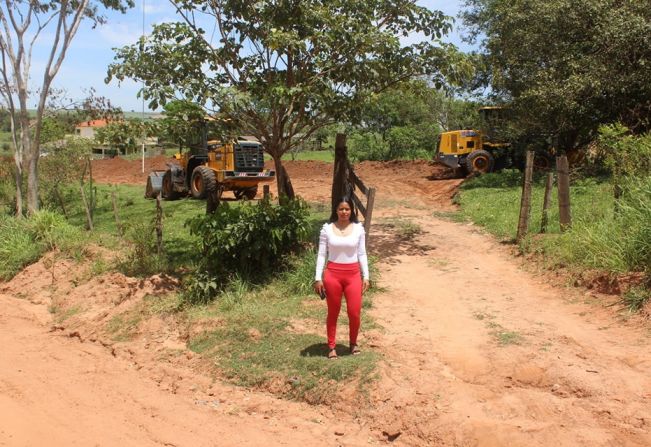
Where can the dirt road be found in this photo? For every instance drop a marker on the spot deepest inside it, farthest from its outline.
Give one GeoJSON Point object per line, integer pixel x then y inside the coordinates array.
{"type": "Point", "coordinates": [476, 352]}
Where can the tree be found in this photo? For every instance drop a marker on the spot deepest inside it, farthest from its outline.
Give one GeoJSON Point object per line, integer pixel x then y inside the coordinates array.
{"type": "Point", "coordinates": [23, 22]}
{"type": "Point", "coordinates": [181, 121]}
{"type": "Point", "coordinates": [567, 66]}
{"type": "Point", "coordinates": [124, 135]}
{"type": "Point", "coordinates": [283, 69]}
{"type": "Point", "coordinates": [405, 120]}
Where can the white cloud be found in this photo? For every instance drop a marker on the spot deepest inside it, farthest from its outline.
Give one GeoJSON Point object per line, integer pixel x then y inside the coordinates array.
{"type": "Point", "coordinates": [120, 34]}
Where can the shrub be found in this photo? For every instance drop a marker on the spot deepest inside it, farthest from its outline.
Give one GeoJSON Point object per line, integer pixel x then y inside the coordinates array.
{"type": "Point", "coordinates": [250, 241]}
{"type": "Point", "coordinates": [623, 154]}
{"type": "Point", "coordinates": [141, 256]}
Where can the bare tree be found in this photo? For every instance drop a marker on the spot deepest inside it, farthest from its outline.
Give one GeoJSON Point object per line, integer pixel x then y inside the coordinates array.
{"type": "Point", "coordinates": [22, 23]}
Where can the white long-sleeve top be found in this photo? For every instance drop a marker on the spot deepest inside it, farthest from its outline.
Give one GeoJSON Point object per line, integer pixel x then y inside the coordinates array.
{"type": "Point", "coordinates": [342, 249]}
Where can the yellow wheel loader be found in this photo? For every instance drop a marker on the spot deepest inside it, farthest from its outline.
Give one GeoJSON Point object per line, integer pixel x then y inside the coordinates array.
{"type": "Point", "coordinates": [212, 167]}
{"type": "Point", "coordinates": [481, 151]}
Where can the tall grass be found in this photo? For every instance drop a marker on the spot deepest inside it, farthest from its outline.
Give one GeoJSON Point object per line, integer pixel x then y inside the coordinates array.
{"type": "Point", "coordinates": [23, 241]}
{"type": "Point", "coordinates": [600, 237]}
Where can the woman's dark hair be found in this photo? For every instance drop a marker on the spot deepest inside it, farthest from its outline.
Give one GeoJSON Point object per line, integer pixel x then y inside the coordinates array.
{"type": "Point", "coordinates": [353, 211]}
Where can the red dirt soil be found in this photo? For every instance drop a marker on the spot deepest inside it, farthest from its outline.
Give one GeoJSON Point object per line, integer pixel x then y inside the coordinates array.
{"type": "Point", "coordinates": [477, 350]}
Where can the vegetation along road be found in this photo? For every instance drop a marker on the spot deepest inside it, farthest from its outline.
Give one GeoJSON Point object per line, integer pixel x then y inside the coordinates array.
{"type": "Point", "coordinates": [473, 347]}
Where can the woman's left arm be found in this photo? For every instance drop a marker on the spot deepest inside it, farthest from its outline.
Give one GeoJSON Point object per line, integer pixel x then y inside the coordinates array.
{"type": "Point", "coordinates": [362, 257]}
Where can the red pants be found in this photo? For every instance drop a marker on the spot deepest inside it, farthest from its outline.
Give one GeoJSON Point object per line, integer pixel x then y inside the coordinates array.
{"type": "Point", "coordinates": [346, 279]}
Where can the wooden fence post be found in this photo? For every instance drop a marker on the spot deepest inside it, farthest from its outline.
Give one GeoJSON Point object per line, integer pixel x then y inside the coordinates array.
{"type": "Point", "coordinates": [116, 213]}
{"type": "Point", "coordinates": [89, 216]}
{"type": "Point", "coordinates": [265, 192]}
{"type": "Point", "coordinates": [159, 225]}
{"type": "Point", "coordinates": [340, 184]}
{"type": "Point", "coordinates": [565, 215]}
{"type": "Point", "coordinates": [369, 214]}
{"type": "Point", "coordinates": [549, 186]}
{"type": "Point", "coordinates": [212, 200]}
{"type": "Point", "coordinates": [525, 202]}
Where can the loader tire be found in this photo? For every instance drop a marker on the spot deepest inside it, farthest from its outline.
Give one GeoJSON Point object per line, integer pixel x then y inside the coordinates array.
{"type": "Point", "coordinates": [480, 161]}
{"type": "Point", "coordinates": [202, 181]}
{"type": "Point", "coordinates": [167, 190]}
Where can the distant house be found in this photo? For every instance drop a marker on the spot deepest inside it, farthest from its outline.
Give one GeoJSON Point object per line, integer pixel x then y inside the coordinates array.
{"type": "Point", "coordinates": [87, 128]}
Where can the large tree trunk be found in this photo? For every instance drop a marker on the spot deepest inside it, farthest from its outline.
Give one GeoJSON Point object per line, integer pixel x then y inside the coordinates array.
{"type": "Point", "coordinates": [32, 181]}
{"type": "Point", "coordinates": [19, 186]}
{"type": "Point", "coordinates": [285, 187]}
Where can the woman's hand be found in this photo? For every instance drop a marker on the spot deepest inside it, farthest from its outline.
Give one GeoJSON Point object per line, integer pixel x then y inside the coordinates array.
{"type": "Point", "coordinates": [366, 284]}
{"type": "Point", "coordinates": [318, 287]}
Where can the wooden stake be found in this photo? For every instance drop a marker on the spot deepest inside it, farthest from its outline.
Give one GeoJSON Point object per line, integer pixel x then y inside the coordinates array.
{"type": "Point", "coordinates": [159, 225]}
{"type": "Point", "coordinates": [549, 186]}
{"type": "Point", "coordinates": [93, 195]}
{"type": "Point", "coordinates": [265, 192]}
{"type": "Point", "coordinates": [525, 202]}
{"type": "Point", "coordinates": [562, 167]}
{"type": "Point", "coordinates": [89, 216]}
{"type": "Point", "coordinates": [369, 214]}
{"type": "Point", "coordinates": [116, 213]}
{"type": "Point", "coordinates": [62, 202]}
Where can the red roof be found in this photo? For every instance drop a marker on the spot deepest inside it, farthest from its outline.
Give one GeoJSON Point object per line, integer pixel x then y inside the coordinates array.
{"type": "Point", "coordinates": [93, 123]}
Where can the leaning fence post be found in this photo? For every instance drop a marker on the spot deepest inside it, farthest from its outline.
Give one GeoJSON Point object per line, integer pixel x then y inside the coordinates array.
{"type": "Point", "coordinates": [549, 186]}
{"type": "Point", "coordinates": [565, 215]}
{"type": "Point", "coordinates": [370, 201]}
{"type": "Point", "coordinates": [525, 202]}
{"type": "Point", "coordinates": [116, 213]}
{"type": "Point", "coordinates": [340, 183]}
{"type": "Point", "coordinates": [159, 225]}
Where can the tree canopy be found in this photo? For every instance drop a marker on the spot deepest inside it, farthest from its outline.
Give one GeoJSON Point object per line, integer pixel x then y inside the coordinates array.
{"type": "Point", "coordinates": [567, 66]}
{"type": "Point", "coordinates": [283, 69]}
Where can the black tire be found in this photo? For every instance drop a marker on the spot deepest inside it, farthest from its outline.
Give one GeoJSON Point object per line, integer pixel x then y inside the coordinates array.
{"type": "Point", "coordinates": [246, 193]}
{"type": "Point", "coordinates": [542, 162]}
{"type": "Point", "coordinates": [203, 180]}
{"type": "Point", "coordinates": [167, 190]}
{"type": "Point", "coordinates": [480, 161]}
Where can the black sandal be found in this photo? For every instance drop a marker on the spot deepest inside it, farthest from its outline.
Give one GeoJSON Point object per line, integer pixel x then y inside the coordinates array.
{"type": "Point", "coordinates": [332, 355]}
{"type": "Point", "coordinates": [354, 350]}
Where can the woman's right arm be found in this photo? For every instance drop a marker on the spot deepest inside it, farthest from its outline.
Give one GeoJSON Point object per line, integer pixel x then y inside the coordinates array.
{"type": "Point", "coordinates": [321, 259]}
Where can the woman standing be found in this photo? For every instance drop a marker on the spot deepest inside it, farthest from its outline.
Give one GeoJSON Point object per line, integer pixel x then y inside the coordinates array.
{"type": "Point", "coordinates": [342, 241]}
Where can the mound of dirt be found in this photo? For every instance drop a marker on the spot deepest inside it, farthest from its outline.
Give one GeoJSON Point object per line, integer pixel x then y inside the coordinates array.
{"type": "Point", "coordinates": [417, 183]}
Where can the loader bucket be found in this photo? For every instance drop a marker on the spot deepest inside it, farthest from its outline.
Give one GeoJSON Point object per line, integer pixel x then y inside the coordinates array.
{"type": "Point", "coordinates": [154, 184]}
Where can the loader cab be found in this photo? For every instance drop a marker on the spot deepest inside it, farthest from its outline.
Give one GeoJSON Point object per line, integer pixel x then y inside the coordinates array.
{"type": "Point", "coordinates": [492, 123]}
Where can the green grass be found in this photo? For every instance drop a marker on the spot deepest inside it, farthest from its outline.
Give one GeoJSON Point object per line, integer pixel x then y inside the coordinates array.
{"type": "Point", "coordinates": [257, 344]}
{"type": "Point", "coordinates": [493, 201]}
{"type": "Point", "coordinates": [135, 211]}
{"type": "Point", "coordinates": [326, 155]}
{"type": "Point", "coordinates": [609, 238]}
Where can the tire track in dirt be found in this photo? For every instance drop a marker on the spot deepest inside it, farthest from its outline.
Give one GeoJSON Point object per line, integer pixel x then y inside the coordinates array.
{"type": "Point", "coordinates": [482, 353]}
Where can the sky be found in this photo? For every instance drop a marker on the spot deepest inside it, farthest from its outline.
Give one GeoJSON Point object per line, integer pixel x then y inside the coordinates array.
{"type": "Point", "coordinates": [91, 51]}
